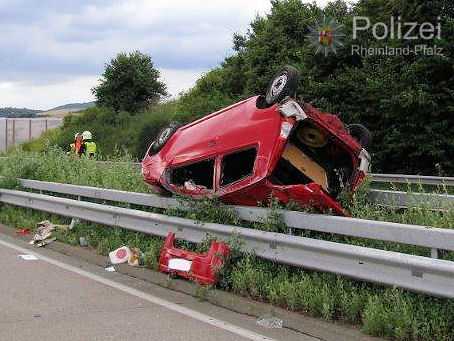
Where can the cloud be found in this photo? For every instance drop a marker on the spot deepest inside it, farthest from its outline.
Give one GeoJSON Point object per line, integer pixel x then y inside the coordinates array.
{"type": "Point", "coordinates": [54, 51]}
{"type": "Point", "coordinates": [46, 96]}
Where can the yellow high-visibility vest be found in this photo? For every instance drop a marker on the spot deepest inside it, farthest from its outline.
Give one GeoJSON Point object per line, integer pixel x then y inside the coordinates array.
{"type": "Point", "coordinates": [90, 148]}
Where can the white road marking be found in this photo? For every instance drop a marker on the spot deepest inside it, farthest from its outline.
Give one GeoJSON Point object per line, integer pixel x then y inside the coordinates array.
{"type": "Point", "coordinates": [150, 298]}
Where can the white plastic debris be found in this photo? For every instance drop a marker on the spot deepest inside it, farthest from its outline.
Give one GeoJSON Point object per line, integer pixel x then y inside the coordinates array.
{"type": "Point", "coordinates": [110, 269]}
{"type": "Point", "coordinates": [120, 255]}
{"type": "Point", "coordinates": [270, 322]}
{"type": "Point", "coordinates": [28, 257]}
{"type": "Point", "coordinates": [180, 264]}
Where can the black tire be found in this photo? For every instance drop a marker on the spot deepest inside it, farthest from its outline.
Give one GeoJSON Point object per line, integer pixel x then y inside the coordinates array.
{"type": "Point", "coordinates": [260, 103]}
{"type": "Point", "coordinates": [361, 134]}
{"type": "Point", "coordinates": [283, 84]}
{"type": "Point", "coordinates": [164, 135]}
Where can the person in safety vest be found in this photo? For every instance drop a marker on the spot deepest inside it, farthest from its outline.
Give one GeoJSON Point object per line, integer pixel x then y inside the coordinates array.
{"type": "Point", "coordinates": [77, 145]}
{"type": "Point", "coordinates": [89, 145]}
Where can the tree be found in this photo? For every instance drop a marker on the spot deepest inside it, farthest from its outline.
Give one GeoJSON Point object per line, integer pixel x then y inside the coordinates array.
{"type": "Point", "coordinates": [407, 101]}
{"type": "Point", "coordinates": [130, 82]}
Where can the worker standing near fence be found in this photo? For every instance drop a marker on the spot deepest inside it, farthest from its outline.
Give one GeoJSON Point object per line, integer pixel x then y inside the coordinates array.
{"type": "Point", "coordinates": [89, 146]}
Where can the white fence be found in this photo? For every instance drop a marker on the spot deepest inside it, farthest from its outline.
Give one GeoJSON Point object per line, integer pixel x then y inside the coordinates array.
{"type": "Point", "coordinates": [18, 130]}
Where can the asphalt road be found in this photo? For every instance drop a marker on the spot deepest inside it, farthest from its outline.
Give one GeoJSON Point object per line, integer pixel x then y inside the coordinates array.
{"type": "Point", "coordinates": [60, 298]}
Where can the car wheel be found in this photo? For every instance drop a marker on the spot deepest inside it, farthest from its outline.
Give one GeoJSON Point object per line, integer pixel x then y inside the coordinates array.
{"type": "Point", "coordinates": [360, 133]}
{"type": "Point", "coordinates": [163, 136]}
{"type": "Point", "coordinates": [283, 84]}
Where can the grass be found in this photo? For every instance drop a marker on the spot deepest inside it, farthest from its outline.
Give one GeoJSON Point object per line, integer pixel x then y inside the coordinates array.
{"type": "Point", "coordinates": [55, 165]}
{"type": "Point", "coordinates": [379, 310]}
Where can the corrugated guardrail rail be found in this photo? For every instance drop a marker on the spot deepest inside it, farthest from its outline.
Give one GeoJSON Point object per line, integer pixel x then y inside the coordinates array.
{"type": "Point", "coordinates": [422, 274]}
{"type": "Point", "coordinates": [433, 238]}
{"type": "Point", "coordinates": [404, 199]}
{"type": "Point", "coordinates": [413, 179]}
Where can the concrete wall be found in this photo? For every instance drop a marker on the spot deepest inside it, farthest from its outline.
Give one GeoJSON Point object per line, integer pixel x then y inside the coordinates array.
{"type": "Point", "coordinates": [17, 130]}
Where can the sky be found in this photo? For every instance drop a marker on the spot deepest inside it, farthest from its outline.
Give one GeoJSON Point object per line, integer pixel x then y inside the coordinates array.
{"type": "Point", "coordinates": [53, 52]}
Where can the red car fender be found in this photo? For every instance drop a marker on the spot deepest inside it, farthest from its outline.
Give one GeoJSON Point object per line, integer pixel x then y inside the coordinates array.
{"type": "Point", "coordinates": [310, 195]}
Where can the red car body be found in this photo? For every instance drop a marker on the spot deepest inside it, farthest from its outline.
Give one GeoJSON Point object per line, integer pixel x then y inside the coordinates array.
{"type": "Point", "coordinates": [266, 143]}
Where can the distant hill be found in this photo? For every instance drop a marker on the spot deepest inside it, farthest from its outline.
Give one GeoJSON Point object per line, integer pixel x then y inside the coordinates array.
{"type": "Point", "coordinates": [59, 111]}
{"type": "Point", "coordinates": [18, 112]}
{"type": "Point", "coordinates": [63, 110]}
{"type": "Point", "coordinates": [74, 106]}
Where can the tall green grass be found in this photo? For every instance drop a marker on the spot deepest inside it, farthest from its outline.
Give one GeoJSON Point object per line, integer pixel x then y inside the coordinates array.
{"type": "Point", "coordinates": [55, 165]}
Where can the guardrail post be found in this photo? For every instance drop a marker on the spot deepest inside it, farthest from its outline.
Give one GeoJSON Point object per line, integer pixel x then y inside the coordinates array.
{"type": "Point", "coordinates": [74, 221]}
{"type": "Point", "coordinates": [434, 253]}
{"type": "Point", "coordinates": [14, 132]}
{"type": "Point", "coordinates": [6, 134]}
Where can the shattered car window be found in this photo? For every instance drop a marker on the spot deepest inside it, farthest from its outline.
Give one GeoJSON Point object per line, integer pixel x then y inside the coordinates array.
{"type": "Point", "coordinates": [196, 174]}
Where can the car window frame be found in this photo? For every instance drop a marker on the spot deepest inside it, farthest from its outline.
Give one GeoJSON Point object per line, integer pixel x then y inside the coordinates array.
{"type": "Point", "coordinates": [181, 188]}
{"type": "Point", "coordinates": [230, 152]}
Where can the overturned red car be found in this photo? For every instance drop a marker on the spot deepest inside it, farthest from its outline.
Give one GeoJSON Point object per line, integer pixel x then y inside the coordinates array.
{"type": "Point", "coordinates": [270, 146]}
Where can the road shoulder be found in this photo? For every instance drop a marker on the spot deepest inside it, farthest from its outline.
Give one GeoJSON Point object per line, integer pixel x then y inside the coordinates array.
{"type": "Point", "coordinates": [142, 278]}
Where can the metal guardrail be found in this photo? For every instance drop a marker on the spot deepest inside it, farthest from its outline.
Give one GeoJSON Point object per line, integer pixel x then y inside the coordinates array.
{"type": "Point", "coordinates": [433, 238]}
{"type": "Point", "coordinates": [413, 179]}
{"type": "Point", "coordinates": [404, 199]}
{"type": "Point", "coordinates": [421, 274]}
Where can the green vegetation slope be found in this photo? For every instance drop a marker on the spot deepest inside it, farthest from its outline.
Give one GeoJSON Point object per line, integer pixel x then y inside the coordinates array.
{"type": "Point", "coordinates": [406, 101]}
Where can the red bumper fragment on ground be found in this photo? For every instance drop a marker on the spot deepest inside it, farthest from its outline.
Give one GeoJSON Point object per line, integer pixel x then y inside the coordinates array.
{"type": "Point", "coordinates": [202, 268]}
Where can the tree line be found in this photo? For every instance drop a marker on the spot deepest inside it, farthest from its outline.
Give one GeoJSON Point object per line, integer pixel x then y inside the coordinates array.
{"type": "Point", "coordinates": [406, 101]}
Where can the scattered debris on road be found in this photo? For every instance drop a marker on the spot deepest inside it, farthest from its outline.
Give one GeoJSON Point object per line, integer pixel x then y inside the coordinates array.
{"type": "Point", "coordinates": [28, 257]}
{"type": "Point", "coordinates": [23, 231]}
{"type": "Point", "coordinates": [43, 233]}
{"type": "Point", "coordinates": [271, 322]}
{"type": "Point", "coordinates": [136, 258]}
{"type": "Point", "coordinates": [202, 268]}
{"type": "Point", "coordinates": [133, 256]}
{"type": "Point", "coordinates": [46, 242]}
{"type": "Point", "coordinates": [120, 255]}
